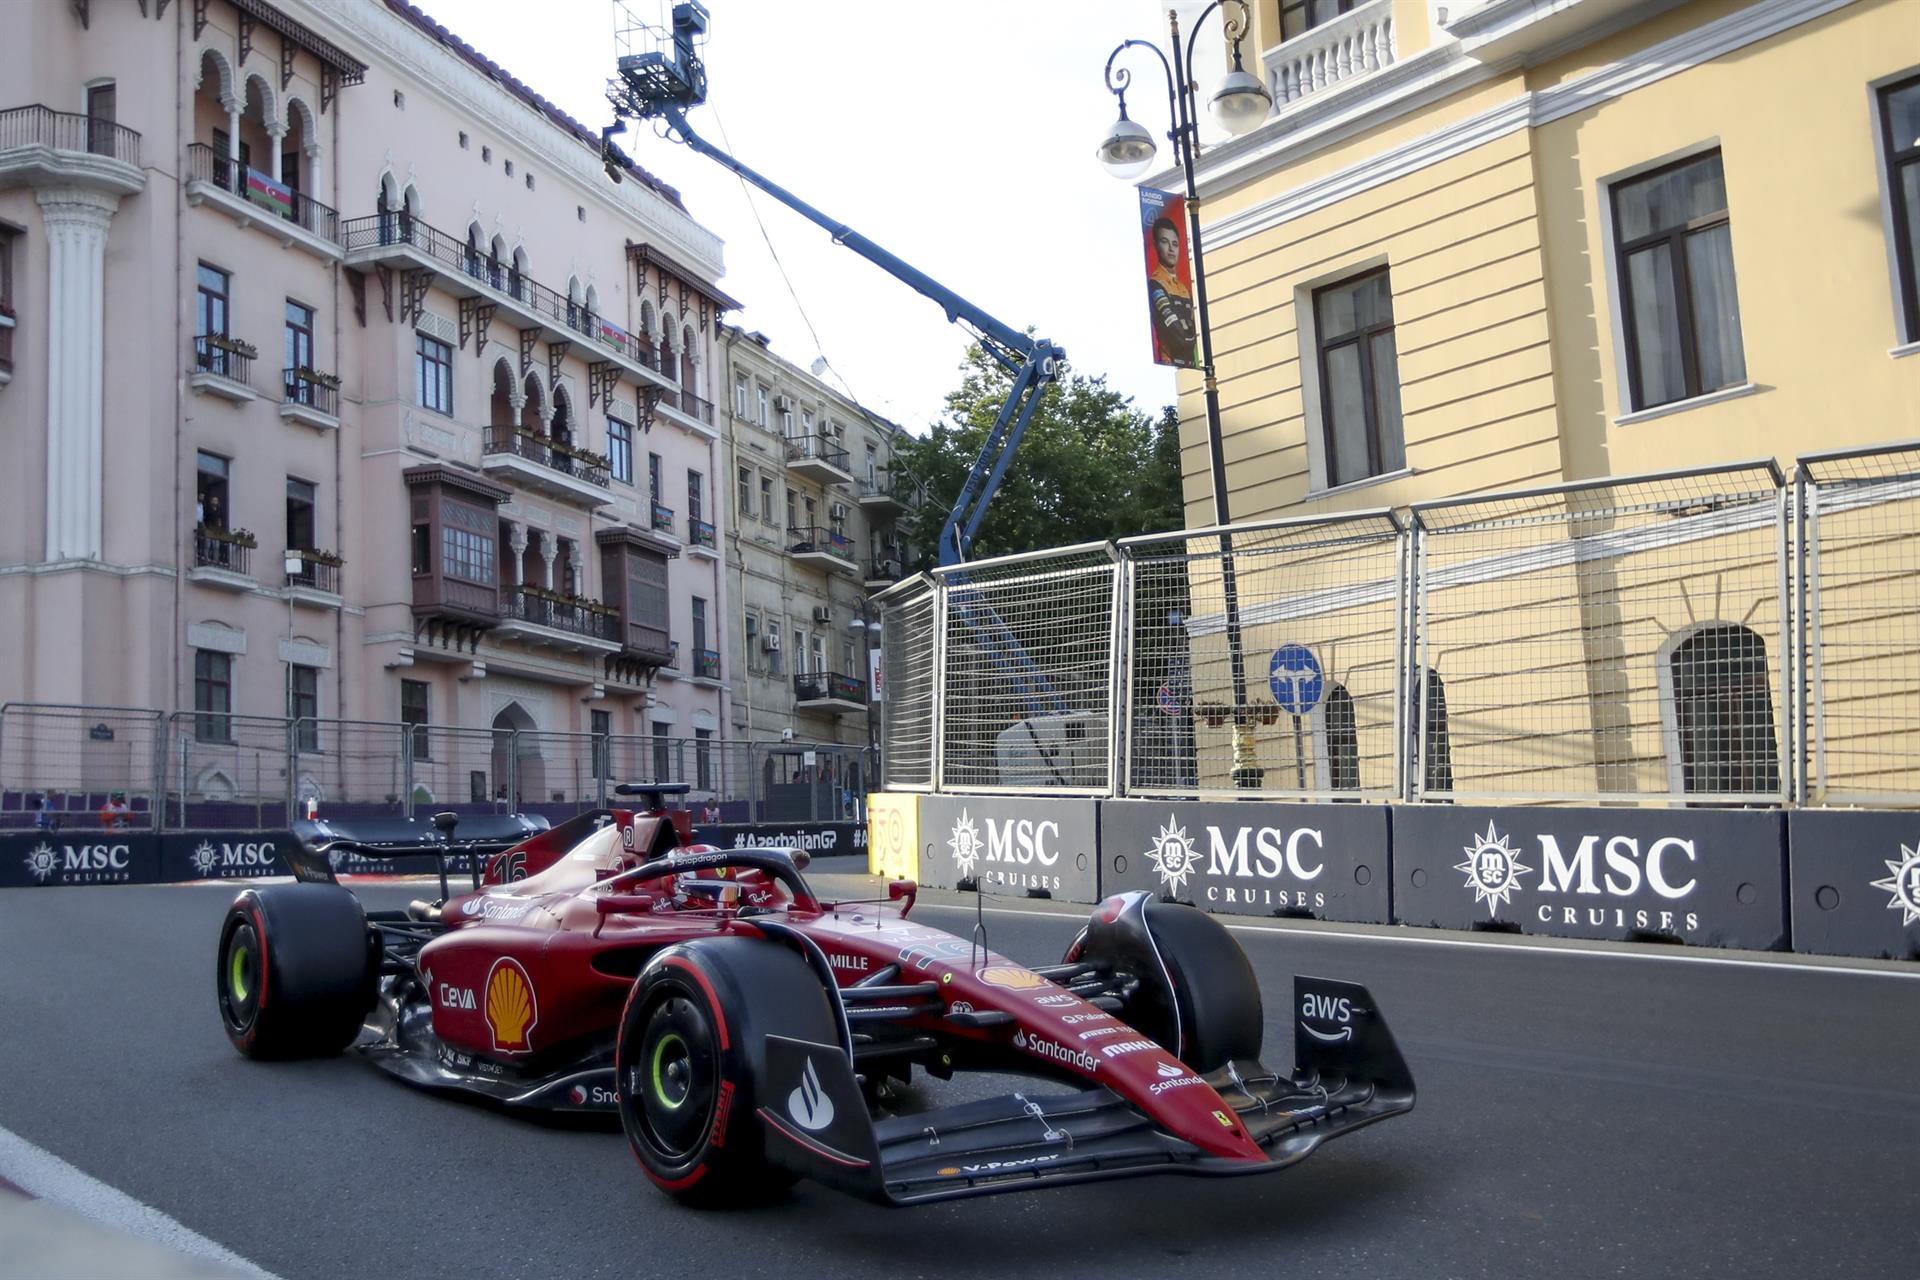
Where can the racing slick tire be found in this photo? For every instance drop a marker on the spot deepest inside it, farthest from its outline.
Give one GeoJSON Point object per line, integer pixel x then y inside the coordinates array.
{"type": "Point", "coordinates": [296, 970]}
{"type": "Point", "coordinates": [690, 1048]}
{"type": "Point", "coordinates": [1198, 996]}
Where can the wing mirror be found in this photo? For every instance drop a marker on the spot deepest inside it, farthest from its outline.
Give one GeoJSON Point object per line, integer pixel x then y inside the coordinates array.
{"type": "Point", "coordinates": [903, 892]}
{"type": "Point", "coordinates": [608, 904]}
{"type": "Point", "coordinates": [801, 859]}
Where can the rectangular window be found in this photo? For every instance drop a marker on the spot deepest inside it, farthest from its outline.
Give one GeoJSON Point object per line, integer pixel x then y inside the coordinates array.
{"type": "Point", "coordinates": [101, 106]}
{"type": "Point", "coordinates": [1359, 379]}
{"type": "Point", "coordinates": [210, 319]}
{"type": "Point", "coordinates": [761, 404]}
{"type": "Point", "coordinates": [742, 395]}
{"type": "Point", "coordinates": [211, 475]}
{"type": "Point", "coordinates": [620, 449]}
{"type": "Point", "coordinates": [793, 510]}
{"type": "Point", "coordinates": [699, 623]}
{"type": "Point", "coordinates": [300, 499]}
{"type": "Point", "coordinates": [696, 496]}
{"type": "Point", "coordinates": [873, 465]}
{"type": "Point", "coordinates": [212, 696]}
{"type": "Point", "coordinates": [303, 705]}
{"type": "Point", "coordinates": [799, 651]}
{"type": "Point", "coordinates": [6, 298]}
{"type": "Point", "coordinates": [766, 498]}
{"type": "Point", "coordinates": [752, 633]}
{"type": "Point", "coordinates": [601, 724]}
{"type": "Point", "coordinates": [413, 713]}
{"type": "Point", "coordinates": [662, 752]}
{"type": "Point", "coordinates": [1299, 16]}
{"type": "Point", "coordinates": [773, 655]}
{"type": "Point", "coordinates": [466, 555]}
{"type": "Point", "coordinates": [1679, 308]}
{"type": "Point", "coordinates": [299, 351]}
{"type": "Point", "coordinates": [1900, 137]}
{"type": "Point", "coordinates": [653, 476]}
{"type": "Point", "coordinates": [743, 500]}
{"type": "Point", "coordinates": [433, 374]}
{"type": "Point", "coordinates": [703, 759]}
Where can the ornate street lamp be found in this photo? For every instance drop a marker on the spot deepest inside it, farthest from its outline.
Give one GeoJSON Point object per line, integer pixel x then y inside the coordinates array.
{"type": "Point", "coordinates": [1239, 105]}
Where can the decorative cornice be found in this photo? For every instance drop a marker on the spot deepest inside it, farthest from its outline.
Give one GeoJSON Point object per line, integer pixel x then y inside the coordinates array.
{"type": "Point", "coordinates": [1526, 110]}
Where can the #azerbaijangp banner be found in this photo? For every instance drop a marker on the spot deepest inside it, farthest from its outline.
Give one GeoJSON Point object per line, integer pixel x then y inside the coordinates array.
{"type": "Point", "coordinates": [1163, 229]}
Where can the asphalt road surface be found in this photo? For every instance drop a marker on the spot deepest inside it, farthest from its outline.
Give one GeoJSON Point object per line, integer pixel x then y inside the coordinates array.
{"type": "Point", "coordinates": [1580, 1115]}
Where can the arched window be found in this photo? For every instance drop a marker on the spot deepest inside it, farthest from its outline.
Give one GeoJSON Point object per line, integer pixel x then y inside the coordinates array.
{"type": "Point", "coordinates": [532, 413]}
{"type": "Point", "coordinates": [500, 423]}
{"type": "Point", "coordinates": [686, 360]}
{"type": "Point", "coordinates": [1343, 740]}
{"type": "Point", "coordinates": [562, 418]}
{"type": "Point", "coordinates": [1434, 756]}
{"type": "Point", "coordinates": [496, 273]}
{"type": "Point", "coordinates": [1722, 704]}
{"type": "Point", "coordinates": [517, 272]}
{"type": "Point", "coordinates": [574, 303]}
{"type": "Point", "coordinates": [667, 365]}
{"type": "Point", "coordinates": [475, 238]}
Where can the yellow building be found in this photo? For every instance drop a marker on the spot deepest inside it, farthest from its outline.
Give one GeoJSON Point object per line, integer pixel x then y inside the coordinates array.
{"type": "Point", "coordinates": [1504, 245]}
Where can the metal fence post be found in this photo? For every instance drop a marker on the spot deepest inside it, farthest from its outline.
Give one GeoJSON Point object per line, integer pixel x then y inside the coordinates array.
{"type": "Point", "coordinates": [1815, 670]}
{"type": "Point", "coordinates": [1120, 672]}
{"type": "Point", "coordinates": [940, 602]}
{"type": "Point", "coordinates": [1799, 655]}
{"type": "Point", "coordinates": [1787, 699]}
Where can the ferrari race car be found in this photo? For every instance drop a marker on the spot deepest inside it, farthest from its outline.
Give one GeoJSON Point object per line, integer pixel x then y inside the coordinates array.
{"type": "Point", "coordinates": [746, 1031]}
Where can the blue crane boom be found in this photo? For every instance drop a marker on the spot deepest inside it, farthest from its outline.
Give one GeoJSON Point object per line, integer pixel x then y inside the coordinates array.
{"type": "Point", "coordinates": [661, 84]}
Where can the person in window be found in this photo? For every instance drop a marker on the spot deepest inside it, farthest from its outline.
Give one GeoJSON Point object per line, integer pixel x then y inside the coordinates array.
{"type": "Point", "coordinates": [1170, 300]}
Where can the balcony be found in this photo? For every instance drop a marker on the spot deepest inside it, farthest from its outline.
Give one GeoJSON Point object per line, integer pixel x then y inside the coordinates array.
{"type": "Point", "coordinates": [313, 577]}
{"type": "Point", "coordinates": [6, 344]}
{"type": "Point", "coordinates": [223, 558]}
{"type": "Point", "coordinates": [310, 398]}
{"type": "Point", "coordinates": [547, 619]}
{"type": "Point", "coordinates": [703, 539]}
{"type": "Point", "coordinates": [1354, 44]}
{"type": "Point", "coordinates": [40, 147]}
{"type": "Point", "coordinates": [400, 240]}
{"type": "Point", "coordinates": [820, 459]}
{"type": "Point", "coordinates": [662, 519]}
{"type": "Point", "coordinates": [822, 548]}
{"type": "Point", "coordinates": [255, 199]}
{"type": "Point", "coordinates": [828, 691]}
{"type": "Point", "coordinates": [888, 493]}
{"type": "Point", "coordinates": [688, 410]}
{"type": "Point", "coordinates": [883, 572]}
{"type": "Point", "coordinates": [545, 465]}
{"type": "Point", "coordinates": [223, 366]}
{"type": "Point", "coordinates": [706, 666]}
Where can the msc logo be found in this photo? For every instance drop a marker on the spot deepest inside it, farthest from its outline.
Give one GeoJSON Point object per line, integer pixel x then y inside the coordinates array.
{"type": "Point", "coordinates": [1173, 855]}
{"type": "Point", "coordinates": [1903, 883]}
{"type": "Point", "coordinates": [247, 858]}
{"type": "Point", "coordinates": [1493, 870]}
{"type": "Point", "coordinates": [80, 863]}
{"type": "Point", "coordinates": [1020, 841]}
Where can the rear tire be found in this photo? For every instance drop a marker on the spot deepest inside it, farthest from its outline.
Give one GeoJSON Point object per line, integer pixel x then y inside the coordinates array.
{"type": "Point", "coordinates": [691, 1042]}
{"type": "Point", "coordinates": [295, 971]}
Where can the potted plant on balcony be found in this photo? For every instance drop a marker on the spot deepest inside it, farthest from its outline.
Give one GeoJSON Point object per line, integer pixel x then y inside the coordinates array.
{"type": "Point", "coordinates": [310, 556]}
{"type": "Point", "coordinates": [331, 381]}
{"type": "Point", "coordinates": [233, 346]}
{"type": "Point", "coordinates": [232, 537]}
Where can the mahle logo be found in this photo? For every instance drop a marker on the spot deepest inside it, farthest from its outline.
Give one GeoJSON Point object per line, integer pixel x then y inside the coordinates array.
{"type": "Point", "coordinates": [1493, 869]}
{"type": "Point", "coordinates": [1904, 884]}
{"type": "Point", "coordinates": [965, 843]}
{"type": "Point", "coordinates": [1173, 855]}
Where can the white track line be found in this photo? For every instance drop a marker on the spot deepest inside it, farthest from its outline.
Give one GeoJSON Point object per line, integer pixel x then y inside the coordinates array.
{"type": "Point", "coordinates": [46, 1176]}
{"type": "Point", "coordinates": [1673, 955]}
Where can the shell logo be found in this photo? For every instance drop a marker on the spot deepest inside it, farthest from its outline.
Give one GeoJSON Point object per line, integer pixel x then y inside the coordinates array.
{"type": "Point", "coordinates": [1012, 977]}
{"type": "Point", "coordinates": [512, 1010]}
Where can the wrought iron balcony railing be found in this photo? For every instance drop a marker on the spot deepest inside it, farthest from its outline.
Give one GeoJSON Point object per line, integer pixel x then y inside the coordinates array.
{"type": "Point", "coordinates": [885, 569]}
{"type": "Point", "coordinates": [817, 449]}
{"type": "Point", "coordinates": [688, 403]}
{"type": "Point", "coordinates": [575, 617]}
{"type": "Point", "coordinates": [222, 549]}
{"type": "Point", "coordinates": [219, 354]}
{"type": "Point", "coordinates": [806, 539]}
{"type": "Point", "coordinates": [546, 452]}
{"type": "Point", "coordinates": [702, 533]}
{"type": "Point", "coordinates": [318, 571]}
{"type": "Point", "coordinates": [819, 686]}
{"type": "Point", "coordinates": [305, 387]}
{"type": "Point", "coordinates": [204, 164]}
{"type": "Point", "coordinates": [457, 255]}
{"type": "Point", "coordinates": [39, 126]}
{"type": "Point", "coordinates": [706, 664]}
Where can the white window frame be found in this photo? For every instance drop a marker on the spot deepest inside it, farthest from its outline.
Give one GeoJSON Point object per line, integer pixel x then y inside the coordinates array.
{"type": "Point", "coordinates": [1308, 332]}
{"type": "Point", "coordinates": [1904, 342]}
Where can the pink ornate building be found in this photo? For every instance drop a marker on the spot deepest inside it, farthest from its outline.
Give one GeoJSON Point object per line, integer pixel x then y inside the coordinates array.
{"type": "Point", "coordinates": [340, 380]}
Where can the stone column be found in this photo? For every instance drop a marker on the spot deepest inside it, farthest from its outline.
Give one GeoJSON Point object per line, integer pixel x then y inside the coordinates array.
{"type": "Point", "coordinates": [549, 551]}
{"type": "Point", "coordinates": [76, 223]}
{"type": "Point", "coordinates": [517, 541]}
{"type": "Point", "coordinates": [276, 137]}
{"type": "Point", "coordinates": [233, 130]}
{"type": "Point", "coordinates": [579, 565]}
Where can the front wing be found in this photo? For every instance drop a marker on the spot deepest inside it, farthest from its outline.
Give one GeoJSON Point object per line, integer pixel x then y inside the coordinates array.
{"type": "Point", "coordinates": [1347, 1077]}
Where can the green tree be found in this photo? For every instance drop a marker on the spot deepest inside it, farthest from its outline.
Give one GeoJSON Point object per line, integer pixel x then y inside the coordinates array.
{"type": "Point", "coordinates": [1090, 466]}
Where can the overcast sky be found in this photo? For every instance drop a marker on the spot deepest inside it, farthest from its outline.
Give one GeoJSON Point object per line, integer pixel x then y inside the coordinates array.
{"type": "Point", "coordinates": [960, 137]}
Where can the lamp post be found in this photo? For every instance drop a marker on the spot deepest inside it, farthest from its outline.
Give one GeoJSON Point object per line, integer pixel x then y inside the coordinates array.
{"type": "Point", "coordinates": [1239, 105]}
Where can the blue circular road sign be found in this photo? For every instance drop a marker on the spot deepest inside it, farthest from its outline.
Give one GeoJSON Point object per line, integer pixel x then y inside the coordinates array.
{"type": "Point", "coordinates": [1295, 678]}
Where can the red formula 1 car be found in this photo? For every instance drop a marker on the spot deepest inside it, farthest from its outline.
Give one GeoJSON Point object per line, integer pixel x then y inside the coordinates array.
{"type": "Point", "coordinates": [743, 1028]}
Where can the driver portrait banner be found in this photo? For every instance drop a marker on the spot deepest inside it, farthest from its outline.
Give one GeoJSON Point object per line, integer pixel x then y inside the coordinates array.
{"type": "Point", "coordinates": [1014, 845]}
{"type": "Point", "coordinates": [1163, 233]}
{"type": "Point", "coordinates": [1322, 861]}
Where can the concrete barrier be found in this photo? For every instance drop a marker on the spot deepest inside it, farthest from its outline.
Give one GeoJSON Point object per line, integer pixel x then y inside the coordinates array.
{"type": "Point", "coordinates": [1854, 882]}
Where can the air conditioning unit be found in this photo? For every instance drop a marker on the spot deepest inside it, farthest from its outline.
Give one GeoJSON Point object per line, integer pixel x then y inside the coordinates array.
{"type": "Point", "coordinates": [783, 404]}
{"type": "Point", "coordinates": [770, 642]}
{"type": "Point", "coordinates": [837, 511]}
{"type": "Point", "coordinates": [821, 613]}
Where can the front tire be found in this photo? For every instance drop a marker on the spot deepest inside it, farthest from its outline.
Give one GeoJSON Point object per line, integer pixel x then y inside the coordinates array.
{"type": "Point", "coordinates": [1198, 996]}
{"type": "Point", "coordinates": [295, 971]}
{"type": "Point", "coordinates": [690, 1048]}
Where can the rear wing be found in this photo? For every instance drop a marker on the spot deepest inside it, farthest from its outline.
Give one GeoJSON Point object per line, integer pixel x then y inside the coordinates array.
{"type": "Point", "coordinates": [441, 837]}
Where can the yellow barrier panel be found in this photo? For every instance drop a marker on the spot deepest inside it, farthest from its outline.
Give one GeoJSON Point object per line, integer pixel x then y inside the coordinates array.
{"type": "Point", "coordinates": [893, 835]}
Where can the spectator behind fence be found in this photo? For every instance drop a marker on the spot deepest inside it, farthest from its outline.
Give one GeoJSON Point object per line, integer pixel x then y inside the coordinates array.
{"type": "Point", "coordinates": [116, 814]}
{"type": "Point", "coordinates": [45, 819]}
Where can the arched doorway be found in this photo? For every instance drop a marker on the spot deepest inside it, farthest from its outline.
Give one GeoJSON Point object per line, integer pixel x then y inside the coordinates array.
{"type": "Point", "coordinates": [519, 770]}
